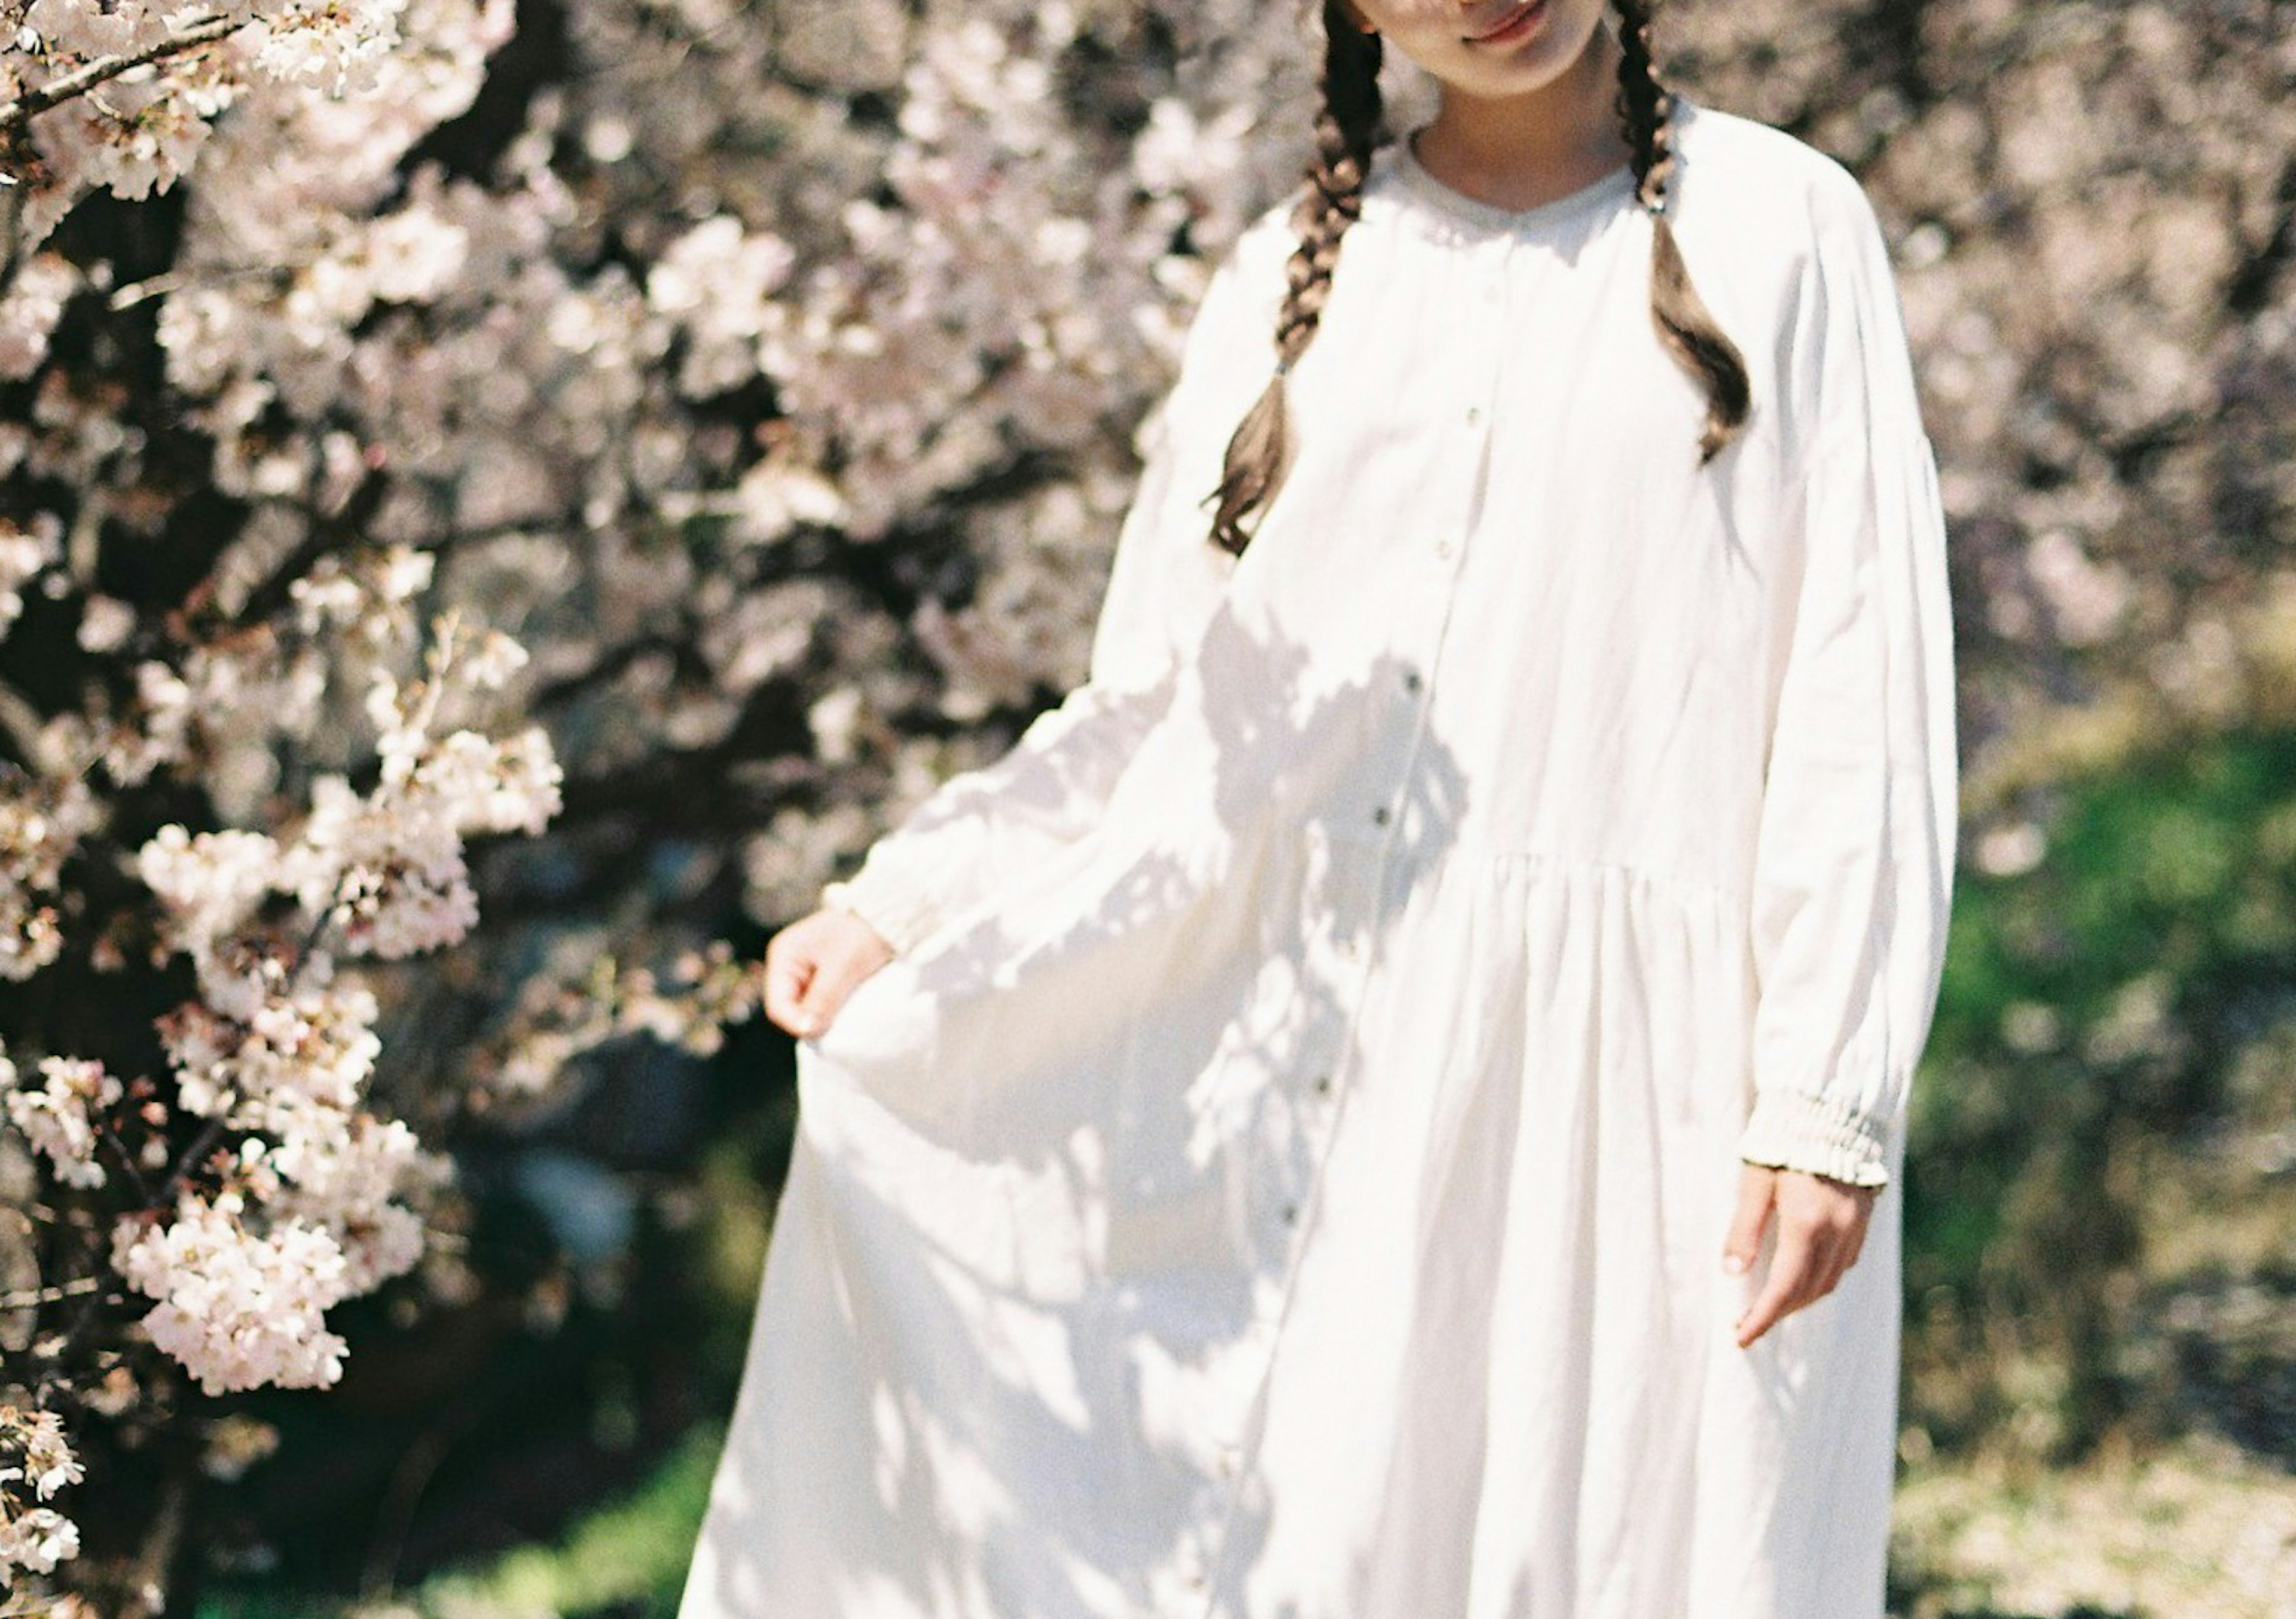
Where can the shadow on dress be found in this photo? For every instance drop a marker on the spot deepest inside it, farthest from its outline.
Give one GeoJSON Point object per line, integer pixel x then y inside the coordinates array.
{"type": "Point", "coordinates": [1091, 1104]}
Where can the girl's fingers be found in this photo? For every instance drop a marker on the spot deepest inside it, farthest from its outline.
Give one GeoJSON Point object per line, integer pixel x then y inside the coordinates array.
{"type": "Point", "coordinates": [789, 975]}
{"type": "Point", "coordinates": [1844, 1243]}
{"type": "Point", "coordinates": [832, 987]}
{"type": "Point", "coordinates": [1823, 1277]}
{"type": "Point", "coordinates": [1850, 1250]}
{"type": "Point", "coordinates": [785, 988]}
{"type": "Point", "coordinates": [1768, 1305]}
{"type": "Point", "coordinates": [1803, 1256]}
{"type": "Point", "coordinates": [843, 953]}
{"type": "Point", "coordinates": [1844, 1252]}
{"type": "Point", "coordinates": [1815, 1247]}
{"type": "Point", "coordinates": [813, 965]}
{"type": "Point", "coordinates": [1757, 1189]}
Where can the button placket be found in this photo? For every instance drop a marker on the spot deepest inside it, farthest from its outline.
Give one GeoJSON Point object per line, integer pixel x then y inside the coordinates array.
{"type": "Point", "coordinates": [1480, 395]}
{"type": "Point", "coordinates": [1354, 920]}
{"type": "Point", "coordinates": [1355, 916]}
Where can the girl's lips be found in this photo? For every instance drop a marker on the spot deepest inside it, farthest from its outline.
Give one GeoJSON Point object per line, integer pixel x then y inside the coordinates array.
{"type": "Point", "coordinates": [1514, 26]}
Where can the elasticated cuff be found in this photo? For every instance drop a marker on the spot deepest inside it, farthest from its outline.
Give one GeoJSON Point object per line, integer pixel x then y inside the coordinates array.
{"type": "Point", "coordinates": [1795, 1130]}
{"type": "Point", "coordinates": [900, 913]}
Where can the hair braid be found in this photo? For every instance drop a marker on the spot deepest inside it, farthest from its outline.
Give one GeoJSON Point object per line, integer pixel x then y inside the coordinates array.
{"type": "Point", "coordinates": [1348, 128]}
{"type": "Point", "coordinates": [1685, 323]}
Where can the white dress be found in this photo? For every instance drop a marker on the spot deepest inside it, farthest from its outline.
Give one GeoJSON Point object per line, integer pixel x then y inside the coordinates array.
{"type": "Point", "coordinates": [1284, 1173]}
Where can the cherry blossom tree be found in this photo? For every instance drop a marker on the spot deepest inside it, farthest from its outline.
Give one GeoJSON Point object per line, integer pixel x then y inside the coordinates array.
{"type": "Point", "coordinates": [429, 456]}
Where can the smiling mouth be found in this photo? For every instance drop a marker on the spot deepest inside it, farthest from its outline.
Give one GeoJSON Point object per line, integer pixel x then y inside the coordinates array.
{"type": "Point", "coordinates": [1510, 25]}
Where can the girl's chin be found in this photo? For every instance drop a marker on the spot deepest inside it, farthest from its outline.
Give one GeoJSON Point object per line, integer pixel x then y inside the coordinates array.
{"type": "Point", "coordinates": [1493, 73]}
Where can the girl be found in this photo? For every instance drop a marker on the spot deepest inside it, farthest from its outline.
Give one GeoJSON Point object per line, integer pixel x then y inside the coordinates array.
{"type": "Point", "coordinates": [1388, 1103]}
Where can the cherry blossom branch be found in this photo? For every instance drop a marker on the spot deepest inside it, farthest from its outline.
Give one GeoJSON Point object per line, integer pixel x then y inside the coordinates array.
{"type": "Point", "coordinates": [58, 1353]}
{"type": "Point", "coordinates": [325, 536]}
{"type": "Point", "coordinates": [111, 1137]}
{"type": "Point", "coordinates": [187, 1161]}
{"type": "Point", "coordinates": [15, 114]}
{"type": "Point", "coordinates": [148, 1582]}
{"type": "Point", "coordinates": [31, 1298]}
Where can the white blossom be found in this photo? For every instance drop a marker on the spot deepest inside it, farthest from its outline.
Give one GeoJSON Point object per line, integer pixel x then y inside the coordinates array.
{"type": "Point", "coordinates": [36, 1540]}
{"type": "Point", "coordinates": [314, 1046]}
{"type": "Point", "coordinates": [331, 44]}
{"type": "Point", "coordinates": [105, 623]}
{"type": "Point", "coordinates": [717, 282]}
{"type": "Point", "coordinates": [46, 1463]}
{"type": "Point", "coordinates": [61, 1119]}
{"type": "Point", "coordinates": [209, 881]}
{"type": "Point", "coordinates": [29, 308]}
{"type": "Point", "coordinates": [42, 825]}
{"type": "Point", "coordinates": [239, 1308]}
{"type": "Point", "coordinates": [160, 728]}
{"type": "Point", "coordinates": [23, 553]}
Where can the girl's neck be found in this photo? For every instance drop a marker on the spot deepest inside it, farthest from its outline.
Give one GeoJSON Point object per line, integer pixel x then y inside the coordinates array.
{"type": "Point", "coordinates": [1522, 151]}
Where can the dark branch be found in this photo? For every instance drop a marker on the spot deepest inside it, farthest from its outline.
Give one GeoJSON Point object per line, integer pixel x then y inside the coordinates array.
{"type": "Point", "coordinates": [15, 114]}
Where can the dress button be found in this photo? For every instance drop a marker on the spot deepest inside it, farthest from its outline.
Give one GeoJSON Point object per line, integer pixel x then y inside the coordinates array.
{"type": "Point", "coordinates": [1474, 415]}
{"type": "Point", "coordinates": [1410, 680]}
{"type": "Point", "coordinates": [1290, 1213]}
{"type": "Point", "coordinates": [1323, 1084]}
{"type": "Point", "coordinates": [1380, 817]}
{"type": "Point", "coordinates": [1442, 547]}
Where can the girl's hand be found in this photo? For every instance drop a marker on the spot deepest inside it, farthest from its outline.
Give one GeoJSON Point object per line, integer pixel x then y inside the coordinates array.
{"type": "Point", "coordinates": [1821, 1227]}
{"type": "Point", "coordinates": [814, 964]}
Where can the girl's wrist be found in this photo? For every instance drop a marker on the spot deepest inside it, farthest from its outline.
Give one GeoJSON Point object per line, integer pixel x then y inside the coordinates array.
{"type": "Point", "coordinates": [890, 924]}
{"type": "Point", "coordinates": [1819, 1135]}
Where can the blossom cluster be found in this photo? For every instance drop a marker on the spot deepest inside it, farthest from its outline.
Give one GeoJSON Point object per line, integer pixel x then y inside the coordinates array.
{"type": "Point", "coordinates": [35, 1461]}
{"type": "Point", "coordinates": [239, 1307]}
{"type": "Point", "coordinates": [62, 1118]}
{"type": "Point", "coordinates": [260, 1186]}
{"type": "Point", "coordinates": [146, 129]}
{"type": "Point", "coordinates": [41, 825]}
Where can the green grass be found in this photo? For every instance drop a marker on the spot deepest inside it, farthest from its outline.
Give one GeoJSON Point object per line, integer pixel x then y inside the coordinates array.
{"type": "Point", "coordinates": [628, 1559]}
{"type": "Point", "coordinates": [2196, 1530]}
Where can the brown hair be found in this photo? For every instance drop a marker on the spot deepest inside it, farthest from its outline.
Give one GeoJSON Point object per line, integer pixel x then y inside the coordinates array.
{"type": "Point", "coordinates": [1348, 128]}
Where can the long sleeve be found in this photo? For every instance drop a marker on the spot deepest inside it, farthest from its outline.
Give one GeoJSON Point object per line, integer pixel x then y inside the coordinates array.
{"type": "Point", "coordinates": [981, 828]}
{"type": "Point", "coordinates": [1855, 849]}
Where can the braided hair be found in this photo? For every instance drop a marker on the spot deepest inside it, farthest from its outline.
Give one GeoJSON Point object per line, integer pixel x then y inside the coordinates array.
{"type": "Point", "coordinates": [1351, 124]}
{"type": "Point", "coordinates": [1349, 128]}
{"type": "Point", "coordinates": [1684, 325]}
